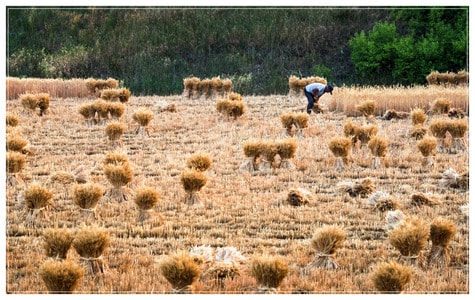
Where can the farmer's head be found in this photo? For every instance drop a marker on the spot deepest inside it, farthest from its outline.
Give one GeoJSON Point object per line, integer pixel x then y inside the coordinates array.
{"type": "Point", "coordinates": [329, 89]}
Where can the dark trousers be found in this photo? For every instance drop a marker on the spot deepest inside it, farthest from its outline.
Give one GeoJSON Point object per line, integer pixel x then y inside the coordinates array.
{"type": "Point", "coordinates": [310, 101]}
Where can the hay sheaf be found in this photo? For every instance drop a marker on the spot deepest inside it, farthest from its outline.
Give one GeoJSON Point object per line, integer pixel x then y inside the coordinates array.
{"type": "Point", "coordinates": [143, 116]}
{"type": "Point", "coordinates": [367, 108]}
{"type": "Point", "coordinates": [180, 270]}
{"type": "Point", "coordinates": [420, 199]}
{"type": "Point", "coordinates": [391, 114]}
{"type": "Point", "coordinates": [268, 271]}
{"type": "Point", "coordinates": [298, 197]}
{"type": "Point", "coordinates": [57, 242]}
{"type": "Point", "coordinates": [427, 146]}
{"type": "Point", "coordinates": [340, 146]}
{"type": "Point", "coordinates": [410, 237]}
{"type": "Point", "coordinates": [200, 162]}
{"type": "Point", "coordinates": [391, 277]}
{"type": "Point", "coordinates": [418, 117]}
{"type": "Point", "coordinates": [61, 277]}
{"type": "Point", "coordinates": [378, 146]}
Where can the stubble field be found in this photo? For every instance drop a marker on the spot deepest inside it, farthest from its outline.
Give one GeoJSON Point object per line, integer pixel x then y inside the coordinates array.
{"type": "Point", "coordinates": [239, 209]}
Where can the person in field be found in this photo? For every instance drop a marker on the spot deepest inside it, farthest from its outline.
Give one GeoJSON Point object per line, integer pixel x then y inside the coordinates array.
{"type": "Point", "coordinates": [314, 91]}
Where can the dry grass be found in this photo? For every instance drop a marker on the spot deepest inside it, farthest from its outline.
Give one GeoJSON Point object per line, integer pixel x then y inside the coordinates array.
{"type": "Point", "coordinates": [240, 209]}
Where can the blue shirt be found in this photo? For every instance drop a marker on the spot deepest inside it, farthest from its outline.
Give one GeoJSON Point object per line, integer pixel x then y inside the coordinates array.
{"type": "Point", "coordinates": [318, 86]}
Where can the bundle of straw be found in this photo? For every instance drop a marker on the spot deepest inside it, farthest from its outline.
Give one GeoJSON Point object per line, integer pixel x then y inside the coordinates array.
{"type": "Point", "coordinates": [88, 111]}
{"type": "Point", "coordinates": [340, 147]}
{"type": "Point", "coordinates": [115, 158]}
{"type": "Point", "coordinates": [419, 199]}
{"type": "Point", "coordinates": [362, 188]}
{"type": "Point", "coordinates": [11, 120]}
{"type": "Point", "coordinates": [391, 114]}
{"type": "Point", "coordinates": [86, 196]}
{"type": "Point", "coordinates": [269, 272]}
{"type": "Point", "coordinates": [268, 151]}
{"type": "Point", "coordinates": [14, 164]}
{"type": "Point", "coordinates": [300, 121]}
{"type": "Point", "coordinates": [206, 87]}
{"type": "Point", "coordinates": [428, 148]}
{"type": "Point", "coordinates": [441, 232]}
{"type": "Point", "coordinates": [418, 117]}
{"type": "Point", "coordinates": [143, 117]}
{"type": "Point", "coordinates": [37, 198]}
{"type": "Point", "coordinates": [188, 86]}
{"type": "Point", "coordinates": [418, 132]}
{"type": "Point", "coordinates": [298, 197]}
{"type": "Point", "coordinates": [61, 277]}
{"type": "Point", "coordinates": [234, 96]}
{"type": "Point", "coordinates": [349, 128]}
{"type": "Point", "coordinates": [216, 85]}
{"type": "Point", "coordinates": [326, 242]}
{"type": "Point", "coordinates": [119, 176]}
{"type": "Point", "coordinates": [42, 101]}
{"type": "Point", "coordinates": [145, 198]}
{"type": "Point", "coordinates": [367, 108]}
{"type": "Point", "coordinates": [441, 106]}
{"type": "Point", "coordinates": [252, 151]}
{"type": "Point", "coordinates": [101, 109]}
{"type": "Point", "coordinates": [116, 110]}
{"type": "Point", "coordinates": [110, 94]}
{"type": "Point", "coordinates": [378, 146]}
{"type": "Point", "coordinates": [195, 87]}
{"type": "Point", "coordinates": [193, 181]}
{"type": "Point", "coordinates": [114, 131]}
{"type": "Point", "coordinates": [200, 162]}
{"type": "Point", "coordinates": [386, 204]}
{"type": "Point", "coordinates": [363, 134]}
{"type": "Point", "coordinates": [15, 143]}
{"type": "Point", "coordinates": [409, 238]}
{"type": "Point", "coordinates": [124, 95]}
{"type": "Point", "coordinates": [227, 85]}
{"type": "Point", "coordinates": [286, 149]}
{"type": "Point", "coordinates": [57, 242]}
{"type": "Point", "coordinates": [287, 120]}
{"type": "Point", "coordinates": [180, 271]}
{"type": "Point", "coordinates": [90, 243]}
{"type": "Point", "coordinates": [391, 277]}
{"type": "Point", "coordinates": [29, 102]}
{"type": "Point", "coordinates": [293, 84]}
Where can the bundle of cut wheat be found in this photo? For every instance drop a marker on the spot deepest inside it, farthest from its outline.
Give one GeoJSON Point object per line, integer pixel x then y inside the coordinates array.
{"type": "Point", "coordinates": [143, 117]}
{"type": "Point", "coordinates": [386, 204]}
{"type": "Point", "coordinates": [298, 197]}
{"type": "Point", "coordinates": [362, 134]}
{"type": "Point", "coordinates": [90, 243]}
{"type": "Point", "coordinates": [42, 101]}
{"type": "Point", "coordinates": [420, 199]}
{"type": "Point", "coordinates": [200, 162]}
{"type": "Point", "coordinates": [119, 176]}
{"type": "Point", "coordinates": [14, 164]}
{"type": "Point", "coordinates": [61, 277]}
{"type": "Point", "coordinates": [16, 143]}
{"type": "Point", "coordinates": [88, 111]}
{"type": "Point", "coordinates": [326, 241]}
{"type": "Point", "coordinates": [418, 117]}
{"type": "Point", "coordinates": [29, 102]}
{"type": "Point", "coordinates": [441, 232]}
{"type": "Point", "coordinates": [86, 196]}
{"type": "Point", "coordinates": [11, 120]}
{"type": "Point", "coordinates": [409, 238]}
{"type": "Point", "coordinates": [227, 86]}
{"type": "Point", "coordinates": [377, 145]}
{"type": "Point", "coordinates": [391, 114]}
{"type": "Point", "coordinates": [418, 132]}
{"type": "Point", "coordinates": [441, 106]}
{"type": "Point", "coordinates": [57, 242]}
{"type": "Point", "coordinates": [340, 147]}
{"type": "Point", "coordinates": [37, 199]}
{"type": "Point", "coordinates": [114, 131]}
{"type": "Point", "coordinates": [217, 86]}
{"type": "Point", "coordinates": [116, 110]}
{"type": "Point", "coordinates": [300, 122]}
{"type": "Point", "coordinates": [110, 94]}
{"type": "Point", "coordinates": [101, 108]}
{"type": "Point", "coordinates": [360, 188]}
{"type": "Point", "coordinates": [252, 151]}
{"type": "Point", "coordinates": [293, 84]}
{"type": "Point", "coordinates": [193, 181]}
{"type": "Point", "coordinates": [391, 278]}
{"type": "Point", "coordinates": [205, 85]}
{"type": "Point", "coordinates": [427, 146]}
{"type": "Point", "coordinates": [367, 108]}
{"type": "Point", "coordinates": [286, 149]}
{"type": "Point", "coordinates": [269, 272]}
{"type": "Point", "coordinates": [145, 198]}
{"type": "Point", "coordinates": [268, 151]}
{"type": "Point", "coordinates": [188, 87]}
{"type": "Point", "coordinates": [180, 271]}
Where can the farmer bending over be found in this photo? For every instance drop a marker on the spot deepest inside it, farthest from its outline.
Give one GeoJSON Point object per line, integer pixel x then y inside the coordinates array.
{"type": "Point", "coordinates": [314, 91]}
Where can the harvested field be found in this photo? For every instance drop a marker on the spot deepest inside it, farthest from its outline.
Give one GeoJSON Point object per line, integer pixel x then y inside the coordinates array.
{"type": "Point", "coordinates": [238, 209]}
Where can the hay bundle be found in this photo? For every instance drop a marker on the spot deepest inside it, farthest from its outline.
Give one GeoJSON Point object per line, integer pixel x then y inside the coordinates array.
{"type": "Point", "coordinates": [101, 108]}
{"type": "Point", "coordinates": [364, 133]}
{"type": "Point", "coordinates": [86, 196]}
{"type": "Point", "coordinates": [205, 85]}
{"type": "Point", "coordinates": [420, 199]}
{"type": "Point", "coordinates": [199, 162]}
{"type": "Point", "coordinates": [367, 108]}
{"type": "Point", "coordinates": [378, 146]}
{"type": "Point", "coordinates": [42, 101]}
{"type": "Point", "coordinates": [227, 85]}
{"type": "Point", "coordinates": [268, 151]}
{"type": "Point", "coordinates": [14, 164]}
{"type": "Point", "coordinates": [61, 277]}
{"type": "Point", "coordinates": [37, 198]}
{"type": "Point", "coordinates": [88, 111]}
{"type": "Point", "coordinates": [145, 198]}
{"type": "Point", "coordinates": [116, 110]}
{"type": "Point", "coordinates": [193, 181]}
{"type": "Point", "coordinates": [114, 131]}
{"type": "Point", "coordinates": [119, 176]}
{"type": "Point", "coordinates": [360, 188]}
{"type": "Point", "coordinates": [349, 128]}
{"type": "Point", "coordinates": [441, 106]}
{"type": "Point", "coordinates": [409, 238]}
{"type": "Point", "coordinates": [110, 94]}
{"type": "Point", "coordinates": [393, 114]}
{"type": "Point", "coordinates": [286, 149]}
{"type": "Point", "coordinates": [326, 241]}
{"type": "Point", "coordinates": [234, 97]}
{"type": "Point", "coordinates": [180, 271]}
{"type": "Point", "coordinates": [386, 204]}
{"type": "Point", "coordinates": [28, 101]}
{"type": "Point", "coordinates": [226, 264]}
{"type": "Point", "coordinates": [95, 86]}
{"type": "Point", "coordinates": [441, 232]}
{"type": "Point", "coordinates": [216, 85]}
{"type": "Point", "coordinates": [301, 122]}
{"type": "Point", "coordinates": [418, 132]}
{"type": "Point", "coordinates": [298, 197]}
{"type": "Point", "coordinates": [287, 120]}
{"type": "Point", "coordinates": [188, 87]}
{"type": "Point", "coordinates": [462, 77]}
{"type": "Point", "coordinates": [428, 148]}
{"type": "Point", "coordinates": [269, 272]}
{"type": "Point", "coordinates": [90, 243]}
{"type": "Point", "coordinates": [433, 78]}
{"type": "Point", "coordinates": [340, 147]}
{"type": "Point", "coordinates": [124, 95]}
{"type": "Point", "coordinates": [293, 84]}
{"type": "Point", "coordinates": [57, 242]}
{"type": "Point", "coordinates": [11, 120]}
{"type": "Point", "coordinates": [456, 128]}
{"type": "Point", "coordinates": [394, 218]}
{"type": "Point", "coordinates": [451, 179]}
{"type": "Point", "coordinates": [143, 117]}
{"type": "Point", "coordinates": [391, 277]}
{"type": "Point", "coordinates": [236, 109]}
{"type": "Point", "coordinates": [456, 113]}
{"type": "Point", "coordinates": [195, 87]}
{"type": "Point", "coordinates": [252, 151]}
{"type": "Point", "coordinates": [16, 143]}
{"type": "Point", "coordinates": [418, 117]}
{"type": "Point", "coordinates": [115, 158]}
